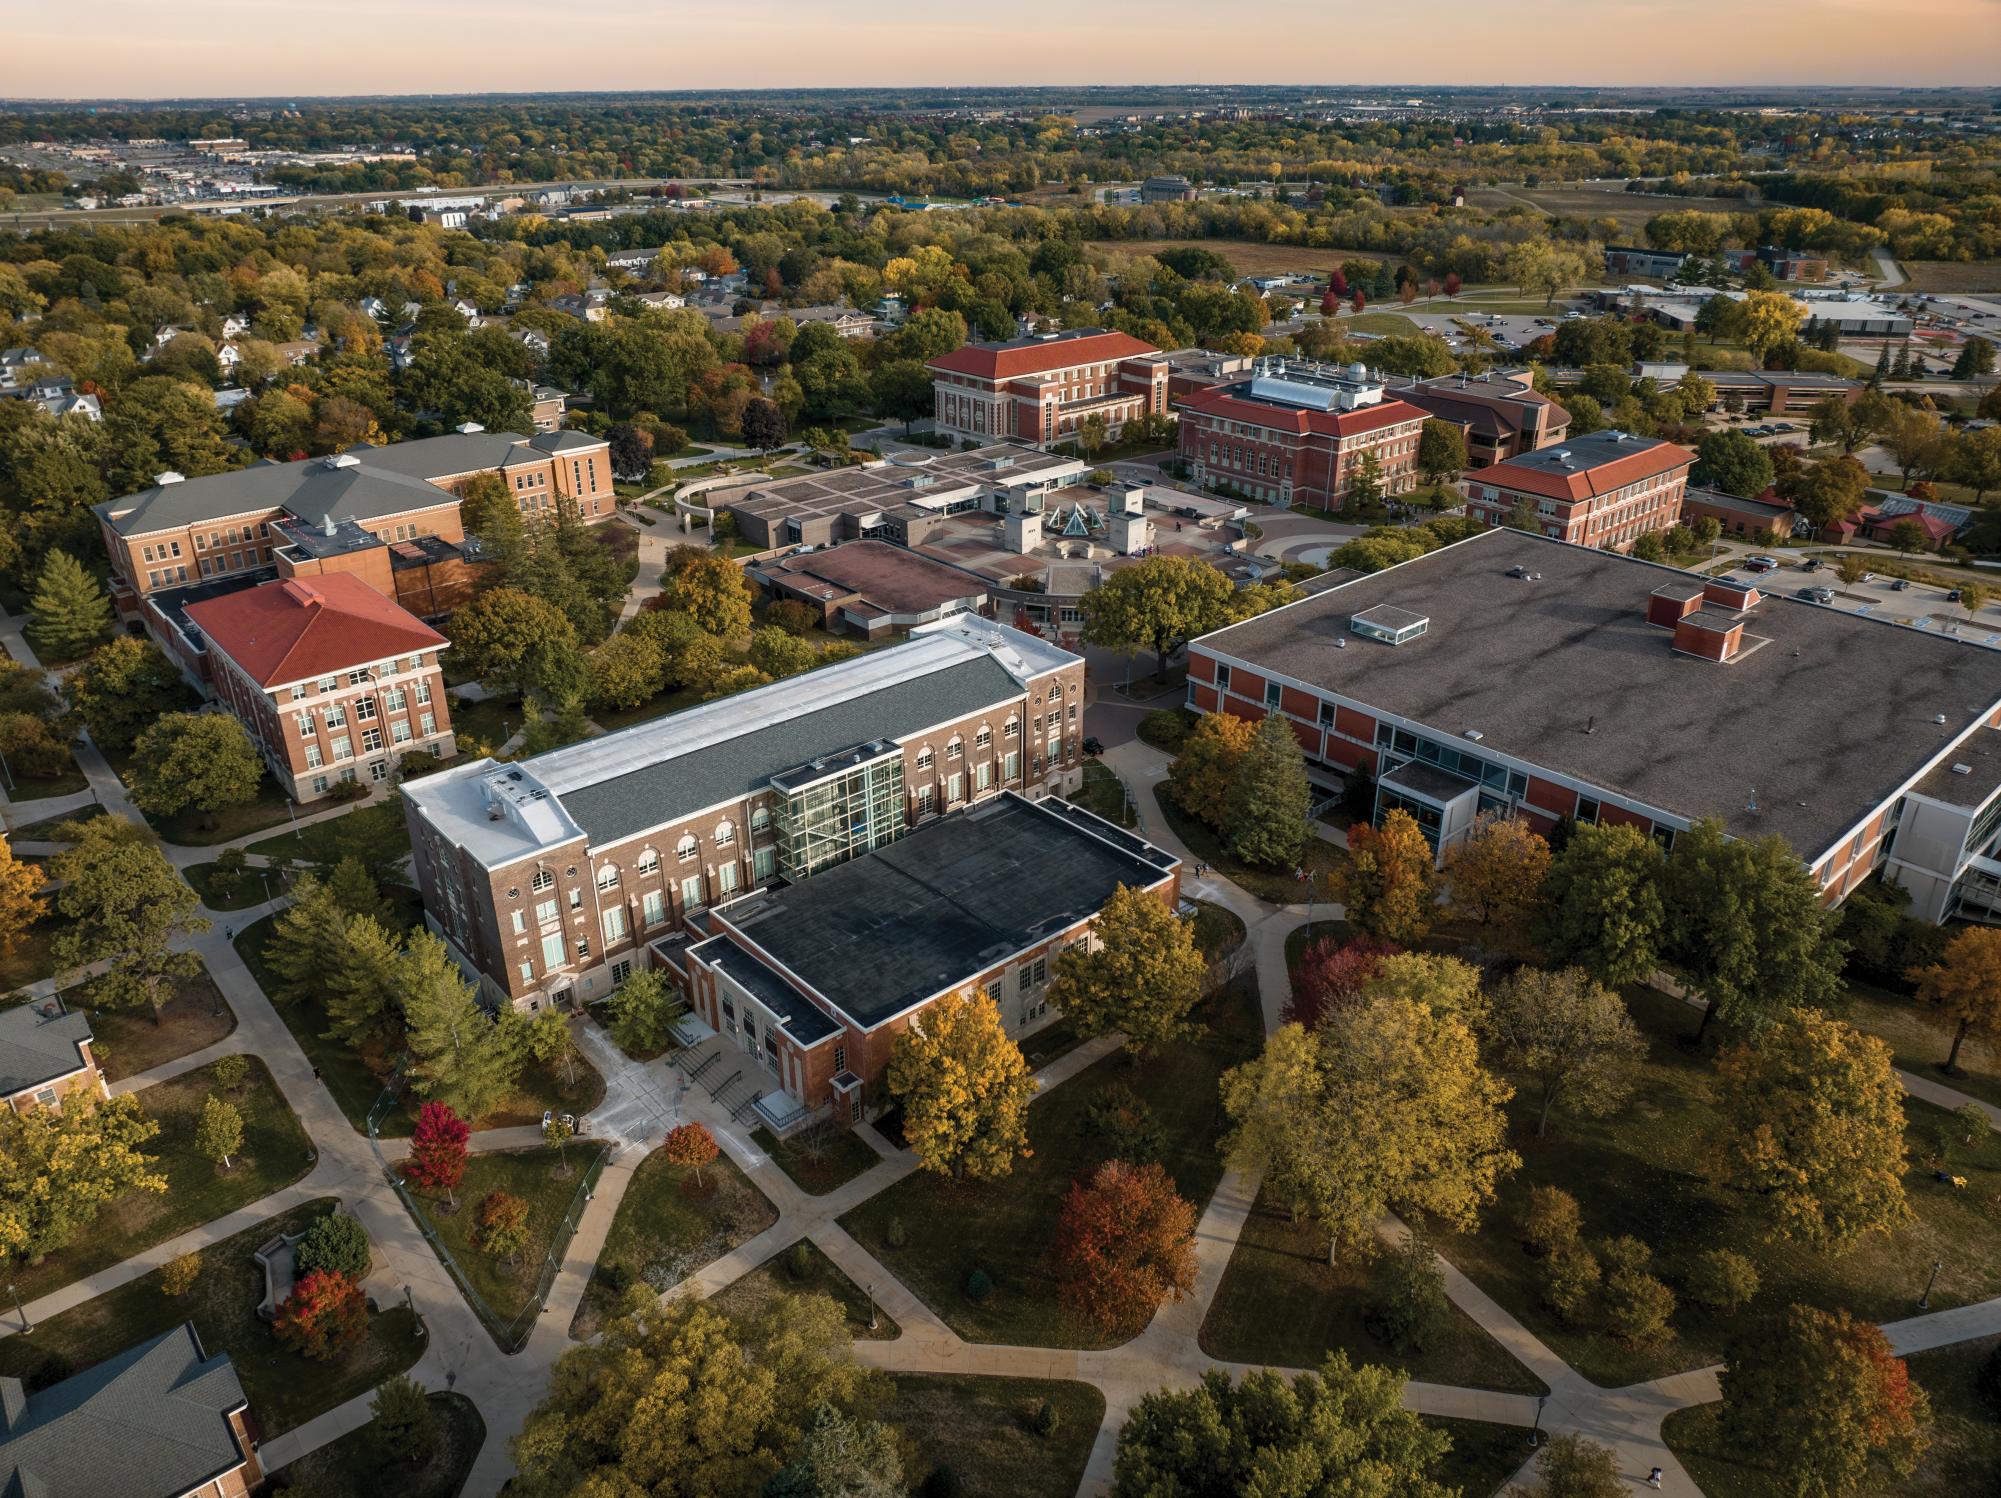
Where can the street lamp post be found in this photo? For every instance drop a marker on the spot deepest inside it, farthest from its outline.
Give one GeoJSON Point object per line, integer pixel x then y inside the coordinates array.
{"type": "Point", "coordinates": [871, 1307]}
{"type": "Point", "coordinates": [1535, 1435]}
{"type": "Point", "coordinates": [1925, 1300]}
{"type": "Point", "coordinates": [23, 1310]}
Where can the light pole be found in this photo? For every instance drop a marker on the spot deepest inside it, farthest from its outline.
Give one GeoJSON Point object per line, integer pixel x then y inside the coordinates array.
{"type": "Point", "coordinates": [23, 1310]}
{"type": "Point", "coordinates": [1925, 1300]}
{"type": "Point", "coordinates": [1535, 1435]}
{"type": "Point", "coordinates": [871, 1307]}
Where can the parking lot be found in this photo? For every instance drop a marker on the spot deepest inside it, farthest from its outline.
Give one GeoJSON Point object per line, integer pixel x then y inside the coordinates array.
{"type": "Point", "coordinates": [1918, 605]}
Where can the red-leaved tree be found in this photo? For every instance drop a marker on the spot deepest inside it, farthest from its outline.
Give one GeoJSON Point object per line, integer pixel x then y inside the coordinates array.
{"type": "Point", "coordinates": [1452, 283]}
{"type": "Point", "coordinates": [1330, 304]}
{"type": "Point", "coordinates": [1125, 1242]}
{"type": "Point", "coordinates": [691, 1146]}
{"type": "Point", "coordinates": [1331, 975]}
{"type": "Point", "coordinates": [437, 1160]}
{"type": "Point", "coordinates": [325, 1313]}
{"type": "Point", "coordinates": [1358, 301]}
{"type": "Point", "coordinates": [1337, 283]}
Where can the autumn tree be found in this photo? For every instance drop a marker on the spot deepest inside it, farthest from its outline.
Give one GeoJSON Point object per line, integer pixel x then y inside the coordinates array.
{"type": "Point", "coordinates": [1125, 1243]}
{"type": "Point", "coordinates": [1157, 604]}
{"type": "Point", "coordinates": [964, 1088]}
{"type": "Point", "coordinates": [404, 1427]}
{"type": "Point", "coordinates": [1343, 1429]}
{"type": "Point", "coordinates": [514, 641]}
{"type": "Point", "coordinates": [1572, 1039]}
{"type": "Point", "coordinates": [219, 1131]}
{"type": "Point", "coordinates": [691, 1147]}
{"type": "Point", "coordinates": [1442, 983]}
{"type": "Point", "coordinates": [1496, 872]}
{"type": "Point", "coordinates": [1384, 1108]}
{"type": "Point", "coordinates": [1602, 906]}
{"type": "Point", "coordinates": [458, 1053]}
{"type": "Point", "coordinates": [178, 1274]}
{"type": "Point", "coordinates": [1962, 991]}
{"type": "Point", "coordinates": [1441, 451]}
{"type": "Point", "coordinates": [1270, 801]}
{"type": "Point", "coordinates": [709, 589]}
{"type": "Point", "coordinates": [20, 900]}
{"type": "Point", "coordinates": [69, 608]}
{"type": "Point", "coordinates": [325, 1314]}
{"type": "Point", "coordinates": [1141, 975]}
{"type": "Point", "coordinates": [625, 671]}
{"type": "Point", "coordinates": [501, 1220]}
{"type": "Point", "coordinates": [842, 1456]}
{"type": "Point", "coordinates": [125, 905]}
{"type": "Point", "coordinates": [125, 686]}
{"type": "Point", "coordinates": [1205, 769]}
{"type": "Point", "coordinates": [1574, 1466]}
{"type": "Point", "coordinates": [1331, 975]}
{"type": "Point", "coordinates": [1387, 884]}
{"type": "Point", "coordinates": [1809, 1119]}
{"type": "Point", "coordinates": [438, 1151]}
{"type": "Point", "coordinates": [643, 1012]}
{"type": "Point", "coordinates": [1818, 1397]}
{"type": "Point", "coordinates": [59, 1169]}
{"type": "Point", "coordinates": [199, 761]}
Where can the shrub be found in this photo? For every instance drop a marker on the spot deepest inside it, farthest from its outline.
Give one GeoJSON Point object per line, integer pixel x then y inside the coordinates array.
{"type": "Point", "coordinates": [1412, 1307]}
{"type": "Point", "coordinates": [790, 615]}
{"type": "Point", "coordinates": [896, 1235]}
{"type": "Point", "coordinates": [1972, 1121]}
{"type": "Point", "coordinates": [338, 1242]}
{"type": "Point", "coordinates": [1125, 1126]}
{"type": "Point", "coordinates": [615, 1276]}
{"type": "Point", "coordinates": [1164, 728]}
{"type": "Point", "coordinates": [1550, 1221]}
{"type": "Point", "coordinates": [979, 1286]}
{"type": "Point", "coordinates": [229, 1071]}
{"type": "Point", "coordinates": [799, 1261]}
{"type": "Point", "coordinates": [347, 790]}
{"type": "Point", "coordinates": [1638, 1307]}
{"type": "Point", "coordinates": [1570, 1280]}
{"type": "Point", "coordinates": [1045, 1421]}
{"type": "Point", "coordinates": [178, 1274]}
{"type": "Point", "coordinates": [325, 1314]}
{"type": "Point", "coordinates": [1722, 1280]}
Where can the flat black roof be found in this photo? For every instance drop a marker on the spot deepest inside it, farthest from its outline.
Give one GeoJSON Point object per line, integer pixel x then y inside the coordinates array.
{"type": "Point", "coordinates": [945, 902]}
{"type": "Point", "coordinates": [795, 1011]}
{"type": "Point", "coordinates": [1981, 757]}
{"type": "Point", "coordinates": [1826, 720]}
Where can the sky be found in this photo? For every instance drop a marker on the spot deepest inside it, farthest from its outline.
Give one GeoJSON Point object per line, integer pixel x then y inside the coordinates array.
{"type": "Point", "coordinates": [316, 48]}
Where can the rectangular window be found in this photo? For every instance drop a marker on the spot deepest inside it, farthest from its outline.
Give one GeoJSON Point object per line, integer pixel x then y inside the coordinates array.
{"type": "Point", "coordinates": [371, 740]}
{"type": "Point", "coordinates": [1222, 677]}
{"type": "Point", "coordinates": [614, 925]}
{"type": "Point", "coordinates": [621, 970]}
{"type": "Point", "coordinates": [527, 972]}
{"type": "Point", "coordinates": [840, 1059]}
{"type": "Point", "coordinates": [394, 699]}
{"type": "Point", "coordinates": [364, 709]}
{"type": "Point", "coordinates": [427, 724]}
{"type": "Point", "coordinates": [423, 693]}
{"type": "Point", "coordinates": [691, 892]}
{"type": "Point", "coordinates": [764, 864]}
{"type": "Point", "coordinates": [519, 922]}
{"type": "Point", "coordinates": [576, 899]}
{"type": "Point", "coordinates": [927, 796]}
{"type": "Point", "coordinates": [726, 878]}
{"type": "Point", "coordinates": [583, 949]}
{"type": "Point", "coordinates": [545, 911]}
{"type": "Point", "coordinates": [1587, 809]}
{"type": "Point", "coordinates": [314, 759]}
{"type": "Point", "coordinates": [336, 716]}
{"type": "Point", "coordinates": [954, 789]}
{"type": "Point", "coordinates": [653, 909]}
{"type": "Point", "coordinates": [983, 776]}
{"type": "Point", "coordinates": [342, 749]}
{"type": "Point", "coordinates": [552, 949]}
{"type": "Point", "coordinates": [399, 731]}
{"type": "Point", "coordinates": [923, 761]}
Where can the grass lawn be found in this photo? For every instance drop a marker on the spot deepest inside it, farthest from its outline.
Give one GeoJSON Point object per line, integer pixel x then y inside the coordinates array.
{"type": "Point", "coordinates": [1380, 322]}
{"type": "Point", "coordinates": [248, 890]}
{"type": "Point", "coordinates": [1964, 1457]}
{"type": "Point", "coordinates": [775, 1279]}
{"type": "Point", "coordinates": [44, 831]}
{"type": "Point", "coordinates": [666, 1228]}
{"type": "Point", "coordinates": [980, 1428]}
{"type": "Point", "coordinates": [353, 1465]}
{"type": "Point", "coordinates": [65, 782]}
{"type": "Point", "coordinates": [1104, 794]}
{"type": "Point", "coordinates": [508, 1289]}
{"type": "Point", "coordinates": [1219, 931]}
{"type": "Point", "coordinates": [1005, 1227]}
{"type": "Point", "coordinates": [127, 1042]}
{"type": "Point", "coordinates": [376, 833]}
{"type": "Point", "coordinates": [30, 960]}
{"type": "Point", "coordinates": [1054, 1040]}
{"type": "Point", "coordinates": [821, 1159]}
{"type": "Point", "coordinates": [1275, 885]}
{"type": "Point", "coordinates": [1639, 1172]}
{"type": "Point", "coordinates": [1904, 1024]}
{"type": "Point", "coordinates": [201, 829]}
{"type": "Point", "coordinates": [488, 721]}
{"type": "Point", "coordinates": [285, 1389]}
{"type": "Point", "coordinates": [1301, 937]}
{"type": "Point", "coordinates": [1482, 1457]}
{"type": "Point", "coordinates": [1150, 733]}
{"type": "Point", "coordinates": [1279, 1303]}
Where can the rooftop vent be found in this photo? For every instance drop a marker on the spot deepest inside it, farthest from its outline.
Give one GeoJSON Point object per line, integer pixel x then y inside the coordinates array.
{"type": "Point", "coordinates": [1962, 769]}
{"type": "Point", "coordinates": [1474, 734]}
{"type": "Point", "coordinates": [467, 428]}
{"type": "Point", "coordinates": [169, 477]}
{"type": "Point", "coordinates": [340, 460]}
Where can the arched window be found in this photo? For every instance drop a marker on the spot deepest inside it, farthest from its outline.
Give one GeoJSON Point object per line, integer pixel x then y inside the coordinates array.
{"type": "Point", "coordinates": [760, 818]}
{"type": "Point", "coordinates": [725, 834]}
{"type": "Point", "coordinates": [608, 877]}
{"type": "Point", "coordinates": [685, 849]}
{"type": "Point", "coordinates": [649, 861]}
{"type": "Point", "coordinates": [543, 880]}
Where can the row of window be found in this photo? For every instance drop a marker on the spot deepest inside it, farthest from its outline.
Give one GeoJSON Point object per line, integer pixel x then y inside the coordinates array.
{"type": "Point", "coordinates": [362, 675]}
{"type": "Point", "coordinates": [340, 746]}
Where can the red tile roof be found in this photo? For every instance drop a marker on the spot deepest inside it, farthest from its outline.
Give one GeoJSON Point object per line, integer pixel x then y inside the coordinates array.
{"type": "Point", "coordinates": [1217, 401]}
{"type": "Point", "coordinates": [1007, 361]}
{"type": "Point", "coordinates": [304, 627]}
{"type": "Point", "coordinates": [1584, 482]}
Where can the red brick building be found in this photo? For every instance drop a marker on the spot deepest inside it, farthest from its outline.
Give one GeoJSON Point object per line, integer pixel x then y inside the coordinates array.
{"type": "Point", "coordinates": [45, 1055]}
{"type": "Point", "coordinates": [1300, 434]}
{"type": "Point", "coordinates": [1606, 489]}
{"type": "Point", "coordinates": [1042, 389]}
{"type": "Point", "coordinates": [332, 680]}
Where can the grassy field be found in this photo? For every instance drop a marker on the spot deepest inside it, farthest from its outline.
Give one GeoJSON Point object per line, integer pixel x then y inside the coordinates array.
{"type": "Point", "coordinates": [776, 1280]}
{"type": "Point", "coordinates": [252, 887]}
{"type": "Point", "coordinates": [819, 1160]}
{"type": "Point", "coordinates": [1275, 885]}
{"type": "Point", "coordinates": [126, 1042]}
{"type": "Point", "coordinates": [376, 833]}
{"type": "Point", "coordinates": [666, 1228]}
{"type": "Point", "coordinates": [30, 961]}
{"type": "Point", "coordinates": [1588, 201]}
{"type": "Point", "coordinates": [284, 1388]}
{"type": "Point", "coordinates": [1384, 323]}
{"type": "Point", "coordinates": [980, 1428]}
{"type": "Point", "coordinates": [1104, 794]}
{"type": "Point", "coordinates": [1005, 1227]}
{"type": "Point", "coordinates": [44, 831]}
{"type": "Point", "coordinates": [1280, 1303]}
{"type": "Point", "coordinates": [1640, 1173]}
{"type": "Point", "coordinates": [1950, 275]}
{"type": "Point", "coordinates": [1964, 1457]}
{"type": "Point", "coordinates": [1482, 1457]}
{"type": "Point", "coordinates": [1247, 257]}
{"type": "Point", "coordinates": [1919, 1046]}
{"type": "Point", "coordinates": [201, 829]}
{"type": "Point", "coordinates": [67, 781]}
{"type": "Point", "coordinates": [353, 1465]}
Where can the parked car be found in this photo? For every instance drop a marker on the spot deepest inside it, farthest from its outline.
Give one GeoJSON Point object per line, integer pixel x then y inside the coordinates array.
{"type": "Point", "coordinates": [1094, 746]}
{"type": "Point", "coordinates": [1896, 587]}
{"type": "Point", "coordinates": [1762, 562]}
{"type": "Point", "coordinates": [1816, 595]}
{"type": "Point", "coordinates": [1811, 564]}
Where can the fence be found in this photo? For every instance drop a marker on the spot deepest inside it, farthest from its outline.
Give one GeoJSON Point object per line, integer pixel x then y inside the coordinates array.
{"type": "Point", "coordinates": [510, 1332]}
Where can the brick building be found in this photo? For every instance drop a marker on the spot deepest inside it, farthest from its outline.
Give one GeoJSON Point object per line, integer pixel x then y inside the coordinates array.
{"type": "Point", "coordinates": [1298, 433]}
{"type": "Point", "coordinates": [1500, 415]}
{"type": "Point", "coordinates": [45, 1056]}
{"type": "Point", "coordinates": [332, 680]}
{"type": "Point", "coordinates": [1043, 388]}
{"type": "Point", "coordinates": [551, 876]}
{"type": "Point", "coordinates": [1764, 521]}
{"type": "Point", "coordinates": [1507, 675]}
{"type": "Point", "coordinates": [1605, 489]}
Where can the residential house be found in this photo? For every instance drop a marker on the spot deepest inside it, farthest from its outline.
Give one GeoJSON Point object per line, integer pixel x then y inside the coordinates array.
{"type": "Point", "coordinates": [45, 1056]}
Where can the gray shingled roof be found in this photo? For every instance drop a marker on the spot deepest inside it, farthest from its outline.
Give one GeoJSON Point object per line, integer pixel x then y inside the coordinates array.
{"type": "Point", "coordinates": [659, 793]}
{"type": "Point", "coordinates": [34, 1050]}
{"type": "Point", "coordinates": [151, 1422]}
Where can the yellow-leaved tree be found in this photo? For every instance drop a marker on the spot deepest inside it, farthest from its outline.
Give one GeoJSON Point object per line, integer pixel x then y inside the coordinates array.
{"type": "Point", "coordinates": [58, 1169]}
{"type": "Point", "coordinates": [964, 1087]}
{"type": "Point", "coordinates": [1388, 882]}
{"type": "Point", "coordinates": [1963, 990]}
{"type": "Point", "coordinates": [1206, 767]}
{"type": "Point", "coordinates": [1495, 873]}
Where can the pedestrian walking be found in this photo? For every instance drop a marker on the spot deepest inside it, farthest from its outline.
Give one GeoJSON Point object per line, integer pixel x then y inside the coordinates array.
{"type": "Point", "coordinates": [316, 1074]}
{"type": "Point", "coordinates": [1654, 1478]}
{"type": "Point", "coordinates": [229, 933]}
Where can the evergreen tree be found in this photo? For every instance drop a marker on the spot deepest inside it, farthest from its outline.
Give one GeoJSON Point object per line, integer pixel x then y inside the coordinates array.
{"type": "Point", "coordinates": [405, 1427]}
{"type": "Point", "coordinates": [1269, 798]}
{"type": "Point", "coordinates": [361, 990]}
{"type": "Point", "coordinates": [70, 610]}
{"type": "Point", "coordinates": [459, 1055]}
{"type": "Point", "coordinates": [308, 941]}
{"type": "Point", "coordinates": [1882, 369]}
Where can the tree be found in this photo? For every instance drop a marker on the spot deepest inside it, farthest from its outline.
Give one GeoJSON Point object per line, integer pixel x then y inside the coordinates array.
{"type": "Point", "coordinates": [842, 1457]}
{"type": "Point", "coordinates": [763, 424]}
{"type": "Point", "coordinates": [1827, 491]}
{"type": "Point", "coordinates": [125, 905]}
{"type": "Point", "coordinates": [200, 760]}
{"type": "Point", "coordinates": [1270, 801]}
{"type": "Point", "coordinates": [1125, 1243]}
{"type": "Point", "coordinates": [1550, 1221]}
{"type": "Point", "coordinates": [1330, 975]}
{"type": "Point", "coordinates": [1976, 358]}
{"type": "Point", "coordinates": [337, 1241]}
{"type": "Point", "coordinates": [20, 902]}
{"type": "Point", "coordinates": [501, 1219]}
{"type": "Point", "coordinates": [556, 1134]}
{"type": "Point", "coordinates": [219, 1131]}
{"type": "Point", "coordinates": [1388, 883]}
{"type": "Point", "coordinates": [1963, 990]}
{"type": "Point", "coordinates": [1572, 1038]}
{"type": "Point", "coordinates": [1817, 1397]}
{"type": "Point", "coordinates": [69, 608]}
{"type": "Point", "coordinates": [1142, 975]}
{"type": "Point", "coordinates": [125, 685]}
{"type": "Point", "coordinates": [1537, 265]}
{"type": "Point", "coordinates": [1158, 604]}
{"type": "Point", "coordinates": [59, 1169]}
{"type": "Point", "coordinates": [643, 1012]}
{"type": "Point", "coordinates": [1809, 1118]}
{"type": "Point", "coordinates": [515, 642]}
{"type": "Point", "coordinates": [325, 1314]}
{"type": "Point", "coordinates": [1732, 462]}
{"type": "Point", "coordinates": [711, 590]}
{"type": "Point", "coordinates": [458, 1054]}
{"type": "Point", "coordinates": [1496, 872]}
{"type": "Point", "coordinates": [1441, 451]}
{"type": "Point", "coordinates": [690, 1146]}
{"type": "Point", "coordinates": [1206, 768]}
{"type": "Point", "coordinates": [1907, 536]}
{"type": "Point", "coordinates": [1602, 904]}
{"type": "Point", "coordinates": [1384, 1108]}
{"type": "Point", "coordinates": [362, 1002]}
{"type": "Point", "coordinates": [901, 390]}
{"type": "Point", "coordinates": [1341, 1430]}
{"type": "Point", "coordinates": [1441, 983]}
{"type": "Point", "coordinates": [1637, 1305]}
{"type": "Point", "coordinates": [1574, 1466]}
{"type": "Point", "coordinates": [625, 671]}
{"type": "Point", "coordinates": [1769, 319]}
{"type": "Point", "coordinates": [438, 1151]}
{"type": "Point", "coordinates": [777, 653]}
{"type": "Point", "coordinates": [308, 942]}
{"type": "Point", "coordinates": [178, 1274]}
{"type": "Point", "coordinates": [1747, 932]}
{"type": "Point", "coordinates": [404, 1428]}
{"type": "Point", "coordinates": [1410, 1305]}
{"type": "Point", "coordinates": [1722, 1280]}
{"type": "Point", "coordinates": [964, 1088]}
